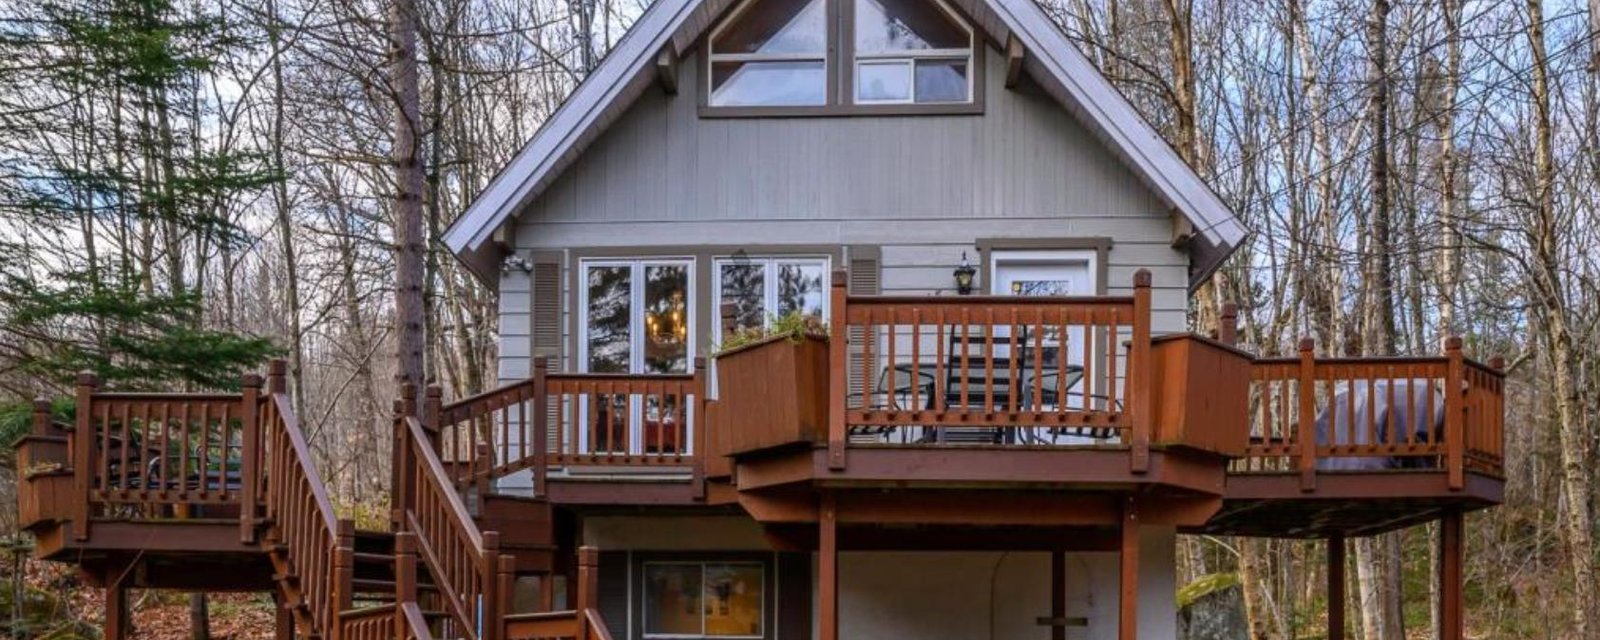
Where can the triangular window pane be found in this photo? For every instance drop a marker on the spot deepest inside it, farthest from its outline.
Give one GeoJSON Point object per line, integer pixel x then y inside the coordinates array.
{"type": "Point", "coordinates": [777, 27]}
{"type": "Point", "coordinates": [906, 25]}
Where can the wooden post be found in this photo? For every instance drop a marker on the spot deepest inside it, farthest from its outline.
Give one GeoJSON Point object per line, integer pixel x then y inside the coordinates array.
{"type": "Point", "coordinates": [1336, 584]}
{"type": "Point", "coordinates": [588, 586]}
{"type": "Point", "coordinates": [119, 626]}
{"type": "Point", "coordinates": [1058, 594]}
{"type": "Point", "coordinates": [405, 580]}
{"type": "Point", "coordinates": [277, 376]}
{"type": "Point", "coordinates": [1454, 414]}
{"type": "Point", "coordinates": [1140, 382]}
{"type": "Point", "coordinates": [250, 454]}
{"type": "Point", "coordinates": [1452, 545]}
{"type": "Point", "coordinates": [1128, 601]}
{"type": "Point", "coordinates": [401, 469]}
{"type": "Point", "coordinates": [488, 622]}
{"type": "Point", "coordinates": [1228, 331]}
{"type": "Point", "coordinates": [698, 453]}
{"type": "Point", "coordinates": [506, 578]}
{"type": "Point", "coordinates": [83, 440]}
{"type": "Point", "coordinates": [1306, 434]}
{"type": "Point", "coordinates": [838, 364]}
{"type": "Point", "coordinates": [283, 621]}
{"type": "Point", "coordinates": [344, 566]}
{"type": "Point", "coordinates": [41, 418]}
{"type": "Point", "coordinates": [482, 467]}
{"type": "Point", "coordinates": [541, 424]}
{"type": "Point", "coordinates": [828, 568]}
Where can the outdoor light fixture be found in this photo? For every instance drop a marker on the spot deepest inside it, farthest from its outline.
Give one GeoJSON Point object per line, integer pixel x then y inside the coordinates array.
{"type": "Point", "coordinates": [514, 263]}
{"type": "Point", "coordinates": [964, 275]}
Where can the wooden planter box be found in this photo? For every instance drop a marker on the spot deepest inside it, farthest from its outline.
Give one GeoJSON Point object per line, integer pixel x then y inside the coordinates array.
{"type": "Point", "coordinates": [44, 481]}
{"type": "Point", "coordinates": [1202, 395]}
{"type": "Point", "coordinates": [770, 394]}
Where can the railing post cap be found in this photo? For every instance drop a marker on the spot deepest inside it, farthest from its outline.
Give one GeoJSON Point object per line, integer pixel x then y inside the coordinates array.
{"type": "Point", "coordinates": [540, 361]}
{"type": "Point", "coordinates": [491, 540]}
{"type": "Point", "coordinates": [1452, 343]}
{"type": "Point", "coordinates": [1141, 279]}
{"type": "Point", "coordinates": [1308, 344]}
{"type": "Point", "coordinates": [42, 404]}
{"type": "Point", "coordinates": [277, 367]}
{"type": "Point", "coordinates": [87, 378]}
{"type": "Point", "coordinates": [1498, 363]}
{"type": "Point", "coordinates": [408, 390]}
{"type": "Point", "coordinates": [251, 381]}
{"type": "Point", "coordinates": [508, 563]}
{"type": "Point", "coordinates": [588, 556]}
{"type": "Point", "coordinates": [399, 406]}
{"type": "Point", "coordinates": [434, 392]}
{"type": "Point", "coordinates": [841, 277]}
{"type": "Point", "coordinates": [1230, 309]}
{"type": "Point", "coordinates": [405, 542]}
{"type": "Point", "coordinates": [346, 527]}
{"type": "Point", "coordinates": [699, 362]}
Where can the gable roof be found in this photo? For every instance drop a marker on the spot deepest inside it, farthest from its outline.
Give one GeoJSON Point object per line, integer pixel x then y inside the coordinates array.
{"type": "Point", "coordinates": [1051, 61]}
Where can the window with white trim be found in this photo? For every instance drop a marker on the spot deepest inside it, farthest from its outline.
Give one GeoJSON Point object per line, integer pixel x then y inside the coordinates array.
{"type": "Point", "coordinates": [911, 52]}
{"type": "Point", "coordinates": [636, 316]}
{"type": "Point", "coordinates": [704, 599]}
{"type": "Point", "coordinates": [762, 289]}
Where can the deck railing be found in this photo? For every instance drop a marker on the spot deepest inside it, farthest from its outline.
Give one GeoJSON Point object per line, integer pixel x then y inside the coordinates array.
{"type": "Point", "coordinates": [583, 622]}
{"type": "Point", "coordinates": [465, 563]}
{"type": "Point", "coordinates": [990, 369]}
{"type": "Point", "coordinates": [1311, 414]}
{"type": "Point", "coordinates": [156, 455]}
{"type": "Point", "coordinates": [575, 420]}
{"type": "Point", "coordinates": [401, 620]}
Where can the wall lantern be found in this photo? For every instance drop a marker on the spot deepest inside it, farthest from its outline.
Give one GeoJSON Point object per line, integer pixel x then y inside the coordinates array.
{"type": "Point", "coordinates": [964, 274]}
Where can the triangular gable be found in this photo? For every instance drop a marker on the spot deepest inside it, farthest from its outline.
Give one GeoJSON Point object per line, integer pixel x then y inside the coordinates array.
{"type": "Point", "coordinates": [1051, 60]}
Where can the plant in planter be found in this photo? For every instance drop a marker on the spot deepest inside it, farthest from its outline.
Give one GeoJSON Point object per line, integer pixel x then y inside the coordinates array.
{"type": "Point", "coordinates": [772, 386]}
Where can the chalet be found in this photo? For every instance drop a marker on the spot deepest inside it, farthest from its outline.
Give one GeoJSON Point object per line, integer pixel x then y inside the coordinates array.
{"type": "Point", "coordinates": [996, 428]}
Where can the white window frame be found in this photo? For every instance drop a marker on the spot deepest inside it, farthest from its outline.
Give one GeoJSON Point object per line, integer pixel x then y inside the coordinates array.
{"type": "Point", "coordinates": [769, 281]}
{"type": "Point", "coordinates": [644, 586]}
{"type": "Point", "coordinates": [636, 302]}
{"type": "Point", "coordinates": [911, 56]}
{"type": "Point", "coordinates": [824, 56]}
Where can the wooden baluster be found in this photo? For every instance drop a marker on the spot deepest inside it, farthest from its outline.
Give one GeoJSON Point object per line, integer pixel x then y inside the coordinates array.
{"type": "Point", "coordinates": [1454, 414]}
{"type": "Point", "coordinates": [1037, 403]}
{"type": "Point", "coordinates": [891, 375]}
{"type": "Point", "coordinates": [82, 440]}
{"type": "Point", "coordinates": [1013, 365]}
{"type": "Point", "coordinates": [250, 463]}
{"type": "Point", "coordinates": [1140, 380]}
{"type": "Point", "coordinates": [915, 376]}
{"type": "Point", "coordinates": [988, 364]}
{"type": "Point", "coordinates": [838, 356]}
{"type": "Point", "coordinates": [1306, 390]}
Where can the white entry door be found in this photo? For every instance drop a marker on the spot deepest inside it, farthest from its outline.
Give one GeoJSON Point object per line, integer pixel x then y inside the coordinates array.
{"type": "Point", "coordinates": [1048, 273]}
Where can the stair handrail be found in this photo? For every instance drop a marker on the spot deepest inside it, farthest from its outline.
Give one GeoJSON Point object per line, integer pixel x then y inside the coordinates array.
{"type": "Point", "coordinates": [463, 561]}
{"type": "Point", "coordinates": [303, 523]}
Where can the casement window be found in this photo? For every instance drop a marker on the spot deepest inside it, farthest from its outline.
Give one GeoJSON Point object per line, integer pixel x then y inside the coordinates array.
{"type": "Point", "coordinates": [762, 289]}
{"type": "Point", "coordinates": [704, 599]}
{"type": "Point", "coordinates": [636, 316]}
{"type": "Point", "coordinates": [911, 52]}
{"type": "Point", "coordinates": [841, 57]}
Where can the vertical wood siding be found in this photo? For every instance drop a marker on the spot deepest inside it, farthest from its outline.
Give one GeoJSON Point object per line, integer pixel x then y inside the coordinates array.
{"type": "Point", "coordinates": [922, 188]}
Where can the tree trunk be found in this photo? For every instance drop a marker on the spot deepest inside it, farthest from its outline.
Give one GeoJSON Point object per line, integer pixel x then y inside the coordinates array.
{"type": "Point", "coordinates": [409, 270]}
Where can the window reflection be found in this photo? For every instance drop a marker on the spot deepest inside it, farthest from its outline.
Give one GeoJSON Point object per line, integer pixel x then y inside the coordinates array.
{"type": "Point", "coordinates": [704, 600]}
{"type": "Point", "coordinates": [610, 318]}
{"type": "Point", "coordinates": [903, 25]}
{"type": "Point", "coordinates": [744, 285]}
{"type": "Point", "coordinates": [800, 288]}
{"type": "Point", "coordinates": [666, 319]}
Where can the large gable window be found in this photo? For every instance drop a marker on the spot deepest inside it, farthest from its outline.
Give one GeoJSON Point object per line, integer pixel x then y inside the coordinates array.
{"type": "Point", "coordinates": [911, 51]}
{"type": "Point", "coordinates": [771, 53]}
{"type": "Point", "coordinates": [841, 57]}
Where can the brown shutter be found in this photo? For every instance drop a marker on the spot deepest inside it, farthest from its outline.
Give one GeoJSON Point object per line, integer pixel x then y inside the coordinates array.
{"type": "Point", "coordinates": [545, 309]}
{"type": "Point", "coordinates": [865, 264]}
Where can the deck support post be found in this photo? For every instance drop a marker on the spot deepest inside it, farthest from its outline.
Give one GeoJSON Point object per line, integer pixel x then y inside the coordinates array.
{"type": "Point", "coordinates": [1128, 601]}
{"type": "Point", "coordinates": [283, 621]}
{"type": "Point", "coordinates": [838, 366]}
{"type": "Point", "coordinates": [828, 569]}
{"type": "Point", "coordinates": [119, 625]}
{"type": "Point", "coordinates": [1452, 544]}
{"type": "Point", "coordinates": [1336, 582]}
{"type": "Point", "coordinates": [1058, 594]}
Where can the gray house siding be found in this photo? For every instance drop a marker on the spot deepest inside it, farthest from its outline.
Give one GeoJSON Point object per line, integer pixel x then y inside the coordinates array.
{"type": "Point", "coordinates": [923, 188]}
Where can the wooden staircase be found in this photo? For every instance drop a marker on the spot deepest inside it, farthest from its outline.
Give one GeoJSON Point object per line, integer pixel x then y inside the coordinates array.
{"type": "Point", "coordinates": [136, 472]}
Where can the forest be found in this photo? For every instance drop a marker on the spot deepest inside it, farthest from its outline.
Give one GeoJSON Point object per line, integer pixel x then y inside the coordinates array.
{"type": "Point", "coordinates": [191, 187]}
